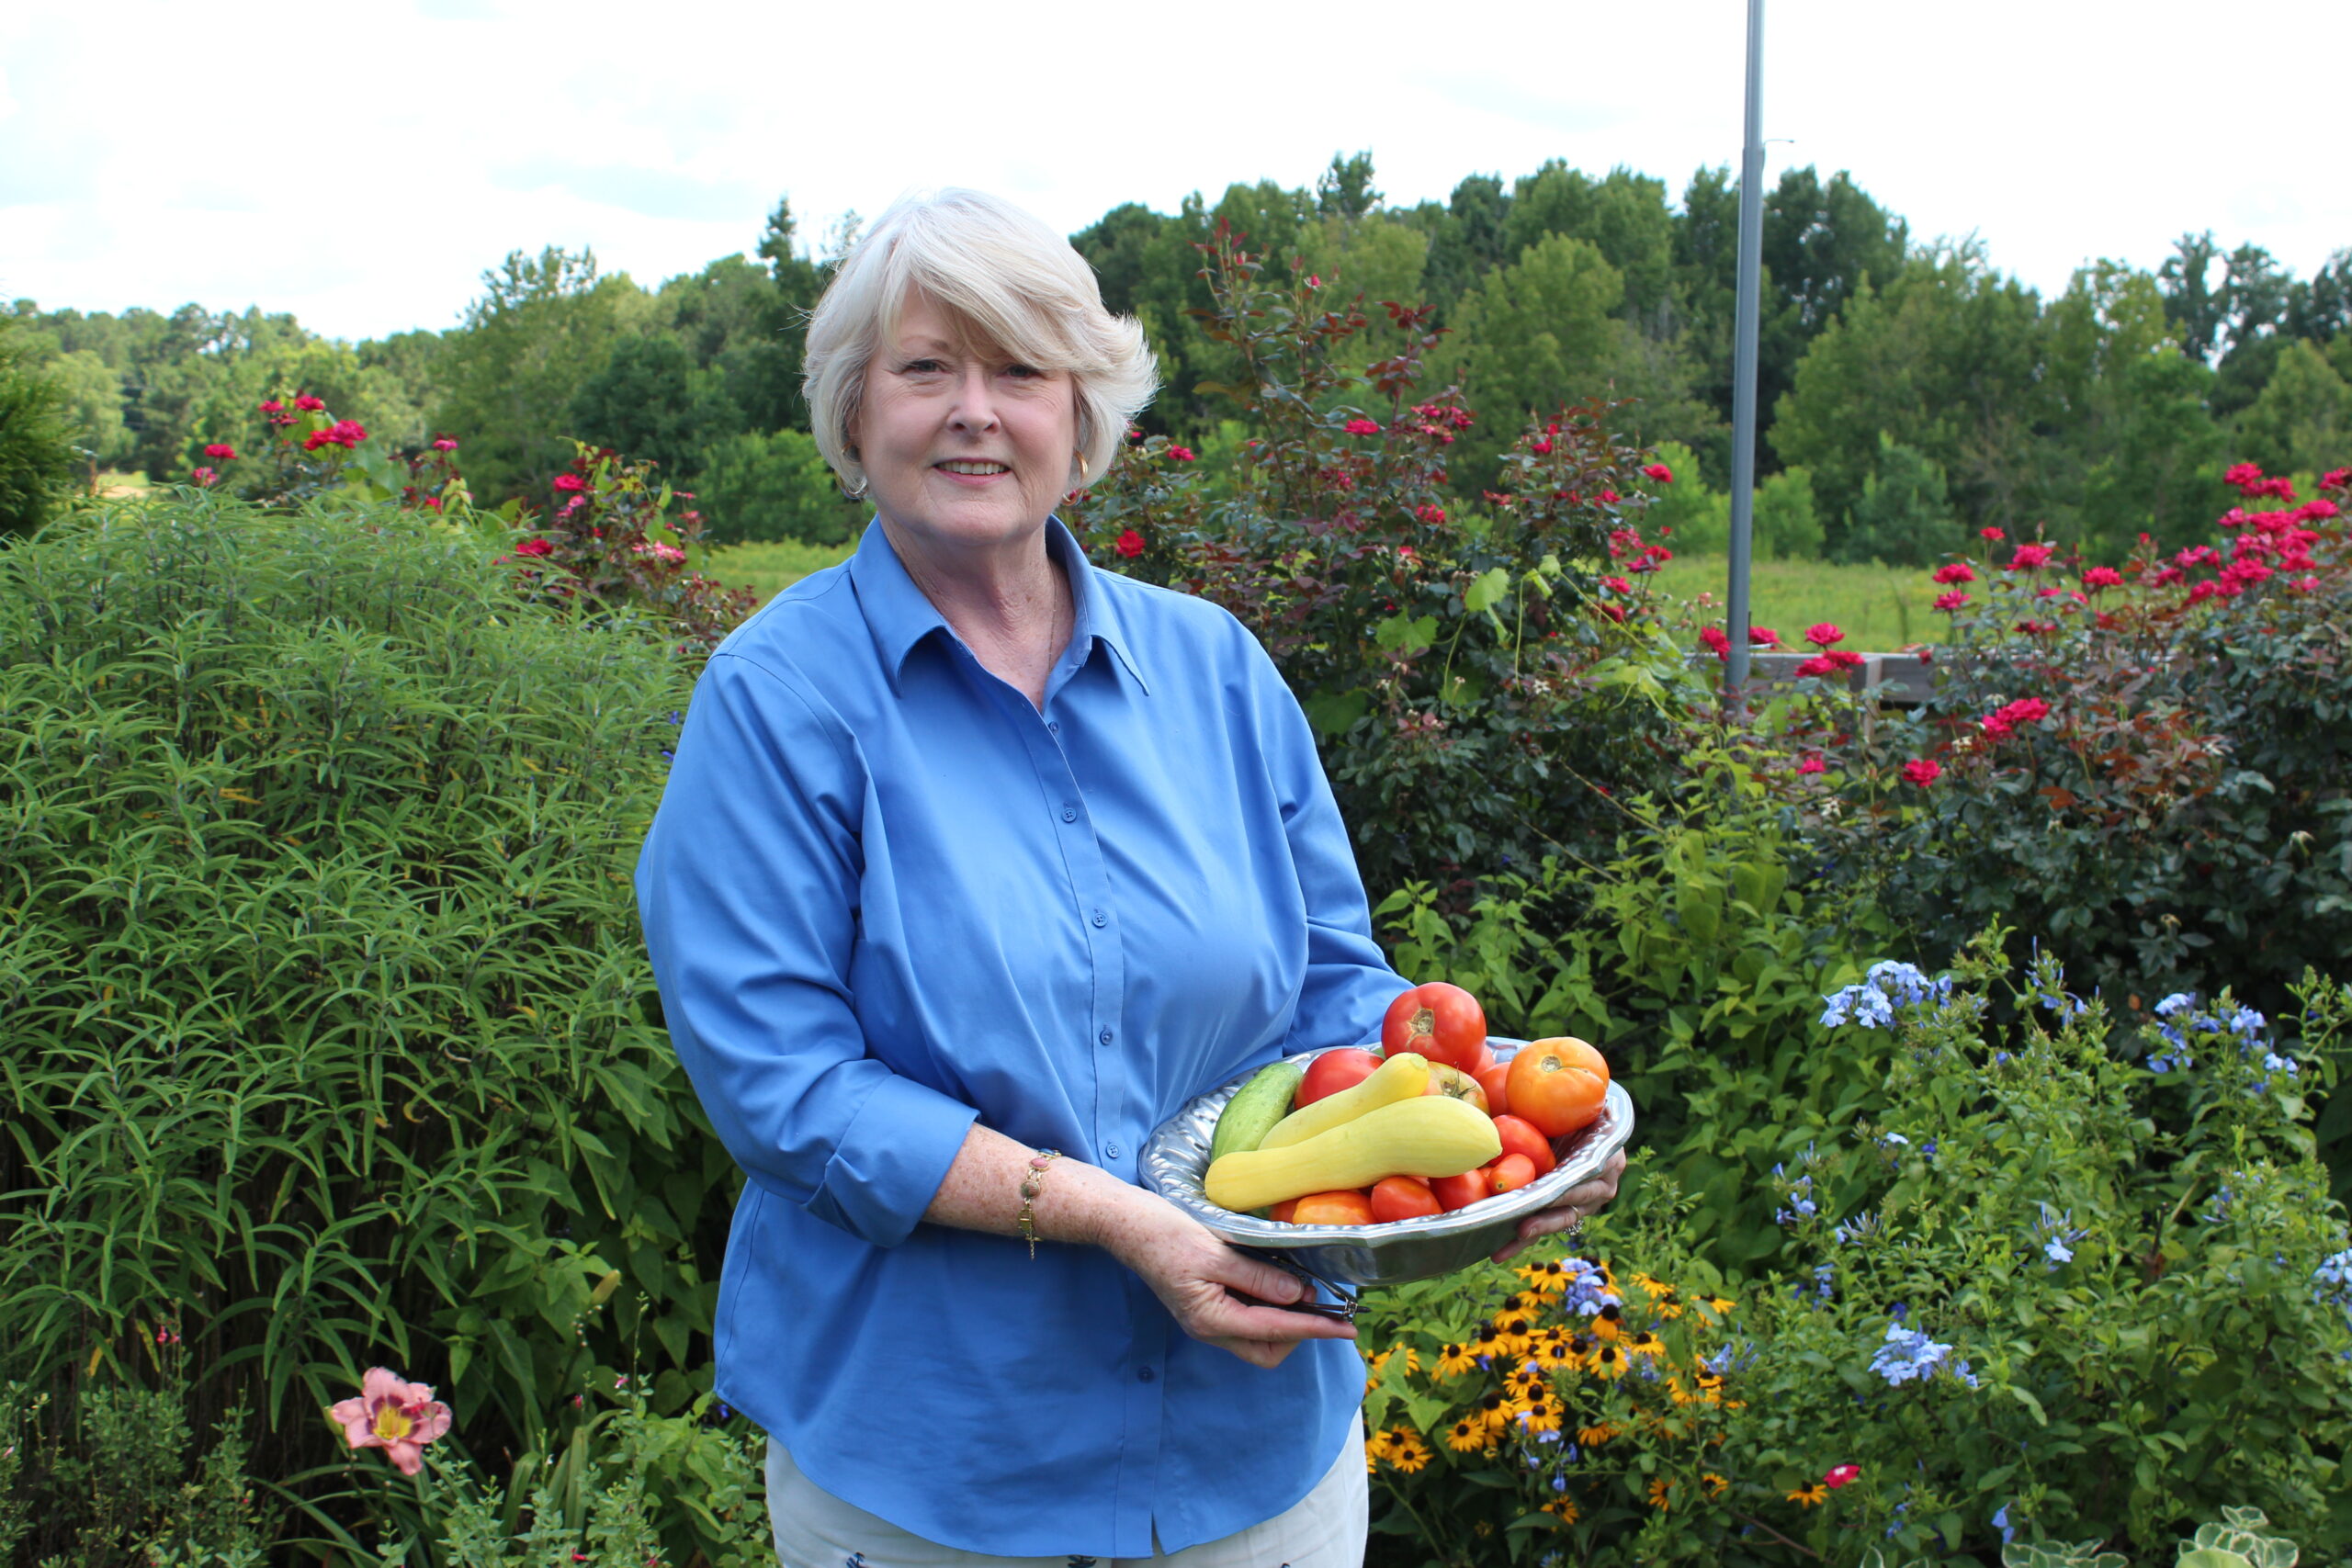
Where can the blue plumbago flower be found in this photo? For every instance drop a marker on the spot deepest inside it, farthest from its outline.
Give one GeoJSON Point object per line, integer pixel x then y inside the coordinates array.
{"type": "Point", "coordinates": [1888, 986]}
{"type": "Point", "coordinates": [1908, 1354]}
{"type": "Point", "coordinates": [1858, 1230]}
{"type": "Point", "coordinates": [2001, 1523]}
{"type": "Point", "coordinates": [1800, 1205]}
{"type": "Point", "coordinates": [2055, 1235]}
{"type": "Point", "coordinates": [1824, 1281]}
{"type": "Point", "coordinates": [2332, 1283]}
{"type": "Point", "coordinates": [2174, 1002]}
{"type": "Point", "coordinates": [1587, 1291]}
{"type": "Point", "coordinates": [2217, 1208]}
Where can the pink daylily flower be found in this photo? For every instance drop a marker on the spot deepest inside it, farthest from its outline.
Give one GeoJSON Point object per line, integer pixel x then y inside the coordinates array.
{"type": "Point", "coordinates": [398, 1417]}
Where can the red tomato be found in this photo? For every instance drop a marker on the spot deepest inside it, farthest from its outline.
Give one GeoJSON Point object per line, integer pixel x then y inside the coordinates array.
{"type": "Point", "coordinates": [1345, 1208]}
{"type": "Point", "coordinates": [1457, 1084]}
{"type": "Point", "coordinates": [1281, 1211]}
{"type": "Point", "coordinates": [1403, 1198]}
{"type": "Point", "coordinates": [1333, 1071]}
{"type": "Point", "coordinates": [1460, 1191]}
{"type": "Point", "coordinates": [1509, 1173]}
{"type": "Point", "coordinates": [1558, 1085]}
{"type": "Point", "coordinates": [1481, 1060]}
{"type": "Point", "coordinates": [1519, 1137]}
{"type": "Point", "coordinates": [1443, 1023]}
{"type": "Point", "coordinates": [1496, 1081]}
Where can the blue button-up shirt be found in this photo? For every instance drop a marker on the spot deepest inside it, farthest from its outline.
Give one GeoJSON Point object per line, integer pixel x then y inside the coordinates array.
{"type": "Point", "coordinates": [884, 896]}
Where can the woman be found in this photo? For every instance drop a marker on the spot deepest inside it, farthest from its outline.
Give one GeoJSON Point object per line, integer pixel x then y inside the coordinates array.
{"type": "Point", "coordinates": [969, 854]}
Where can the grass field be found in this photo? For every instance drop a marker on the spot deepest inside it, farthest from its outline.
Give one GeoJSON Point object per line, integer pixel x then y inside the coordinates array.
{"type": "Point", "coordinates": [1880, 608]}
{"type": "Point", "coordinates": [770, 569]}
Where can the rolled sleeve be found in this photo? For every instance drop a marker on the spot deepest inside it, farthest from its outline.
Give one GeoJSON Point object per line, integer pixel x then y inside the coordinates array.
{"type": "Point", "coordinates": [747, 889]}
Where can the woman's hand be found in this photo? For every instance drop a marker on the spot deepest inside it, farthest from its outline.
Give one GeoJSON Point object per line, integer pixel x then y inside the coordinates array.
{"type": "Point", "coordinates": [1575, 1205]}
{"type": "Point", "coordinates": [1190, 1271]}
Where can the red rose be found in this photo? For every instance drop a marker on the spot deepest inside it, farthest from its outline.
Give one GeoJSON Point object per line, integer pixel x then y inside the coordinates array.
{"type": "Point", "coordinates": [1957, 572]}
{"type": "Point", "coordinates": [1823, 634]}
{"type": "Point", "coordinates": [308, 403]}
{"type": "Point", "coordinates": [570, 482]}
{"type": "Point", "coordinates": [1659, 472]}
{"type": "Point", "coordinates": [1180, 453]}
{"type": "Point", "coordinates": [219, 451]}
{"type": "Point", "coordinates": [1922, 771]}
{"type": "Point", "coordinates": [1951, 601]}
{"type": "Point", "coordinates": [1130, 544]}
{"type": "Point", "coordinates": [534, 547]}
{"type": "Point", "coordinates": [2103, 577]}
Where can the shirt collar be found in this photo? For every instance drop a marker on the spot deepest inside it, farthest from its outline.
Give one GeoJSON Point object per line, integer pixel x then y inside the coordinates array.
{"type": "Point", "coordinates": [898, 615]}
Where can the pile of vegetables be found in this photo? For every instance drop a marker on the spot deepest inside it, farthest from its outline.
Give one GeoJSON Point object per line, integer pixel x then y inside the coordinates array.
{"type": "Point", "coordinates": [1427, 1123]}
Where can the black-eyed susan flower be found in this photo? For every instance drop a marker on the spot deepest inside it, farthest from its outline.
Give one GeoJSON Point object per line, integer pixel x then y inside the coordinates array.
{"type": "Point", "coordinates": [1512, 1335]}
{"type": "Point", "coordinates": [1663, 1296]}
{"type": "Point", "coordinates": [1405, 1449]}
{"type": "Point", "coordinates": [1453, 1360]}
{"type": "Point", "coordinates": [1813, 1492]}
{"type": "Point", "coordinates": [1719, 1306]}
{"type": "Point", "coordinates": [1607, 1323]}
{"type": "Point", "coordinates": [1715, 1484]}
{"type": "Point", "coordinates": [1377, 1447]}
{"type": "Point", "coordinates": [1607, 1361]}
{"type": "Point", "coordinates": [1528, 1380]}
{"type": "Point", "coordinates": [1661, 1493]}
{"type": "Point", "coordinates": [1563, 1509]}
{"type": "Point", "coordinates": [1593, 1437]}
{"type": "Point", "coordinates": [1544, 1415]}
{"type": "Point", "coordinates": [1544, 1279]}
{"type": "Point", "coordinates": [1552, 1350]}
{"type": "Point", "coordinates": [1641, 1342]}
{"type": "Point", "coordinates": [1468, 1433]}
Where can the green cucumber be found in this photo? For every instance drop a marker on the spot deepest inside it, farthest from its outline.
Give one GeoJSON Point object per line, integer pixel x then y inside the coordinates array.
{"type": "Point", "coordinates": [1251, 1114]}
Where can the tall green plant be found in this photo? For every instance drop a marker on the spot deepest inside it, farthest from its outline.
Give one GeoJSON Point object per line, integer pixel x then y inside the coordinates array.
{"type": "Point", "coordinates": [328, 1040]}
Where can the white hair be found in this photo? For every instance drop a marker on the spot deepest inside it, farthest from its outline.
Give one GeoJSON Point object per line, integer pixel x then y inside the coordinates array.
{"type": "Point", "coordinates": [1010, 282]}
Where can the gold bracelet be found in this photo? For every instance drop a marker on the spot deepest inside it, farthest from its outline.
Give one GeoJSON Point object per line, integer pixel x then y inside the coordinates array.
{"type": "Point", "coordinates": [1031, 1185]}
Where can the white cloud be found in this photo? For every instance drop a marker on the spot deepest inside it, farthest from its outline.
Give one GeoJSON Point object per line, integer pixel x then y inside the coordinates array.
{"type": "Point", "coordinates": [362, 166]}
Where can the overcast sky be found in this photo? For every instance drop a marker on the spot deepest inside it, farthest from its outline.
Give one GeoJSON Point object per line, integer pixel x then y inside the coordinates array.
{"type": "Point", "coordinates": [361, 163]}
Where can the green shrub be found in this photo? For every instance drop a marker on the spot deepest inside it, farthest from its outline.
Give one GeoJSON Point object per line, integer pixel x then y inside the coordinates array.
{"type": "Point", "coordinates": [762, 488]}
{"type": "Point", "coordinates": [328, 1041]}
{"type": "Point", "coordinates": [1479, 681]}
{"type": "Point", "coordinates": [36, 434]}
{"type": "Point", "coordinates": [2144, 765]}
{"type": "Point", "coordinates": [2032, 1286]}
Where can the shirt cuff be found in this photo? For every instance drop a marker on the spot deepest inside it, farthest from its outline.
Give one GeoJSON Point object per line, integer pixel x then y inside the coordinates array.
{"type": "Point", "coordinates": [890, 1160]}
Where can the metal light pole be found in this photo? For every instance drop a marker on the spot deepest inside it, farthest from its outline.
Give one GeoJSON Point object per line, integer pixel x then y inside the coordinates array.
{"type": "Point", "coordinates": [1743, 383]}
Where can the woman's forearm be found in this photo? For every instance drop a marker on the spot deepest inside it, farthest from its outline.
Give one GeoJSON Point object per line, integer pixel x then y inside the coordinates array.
{"type": "Point", "coordinates": [1076, 1202]}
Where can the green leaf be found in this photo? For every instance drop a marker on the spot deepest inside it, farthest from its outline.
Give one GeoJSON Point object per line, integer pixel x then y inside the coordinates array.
{"type": "Point", "coordinates": [1405, 634]}
{"type": "Point", "coordinates": [1487, 591]}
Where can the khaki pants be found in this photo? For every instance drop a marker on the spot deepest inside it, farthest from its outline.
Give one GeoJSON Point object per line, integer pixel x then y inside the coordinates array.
{"type": "Point", "coordinates": [1326, 1528]}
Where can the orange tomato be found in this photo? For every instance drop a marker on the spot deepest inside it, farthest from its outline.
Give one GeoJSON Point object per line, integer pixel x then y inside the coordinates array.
{"type": "Point", "coordinates": [1281, 1213]}
{"type": "Point", "coordinates": [1344, 1208]}
{"type": "Point", "coordinates": [1519, 1137]}
{"type": "Point", "coordinates": [1558, 1085]}
{"type": "Point", "coordinates": [1403, 1198]}
{"type": "Point", "coordinates": [1509, 1173]}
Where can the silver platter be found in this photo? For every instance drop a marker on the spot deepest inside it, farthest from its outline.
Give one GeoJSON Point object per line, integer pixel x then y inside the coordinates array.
{"type": "Point", "coordinates": [1177, 1156]}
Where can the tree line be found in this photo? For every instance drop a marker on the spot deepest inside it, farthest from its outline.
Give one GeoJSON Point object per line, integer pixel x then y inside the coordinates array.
{"type": "Point", "coordinates": [1910, 393]}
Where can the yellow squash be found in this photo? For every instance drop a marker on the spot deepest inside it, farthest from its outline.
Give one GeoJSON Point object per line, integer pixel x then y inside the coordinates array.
{"type": "Point", "coordinates": [1401, 1076]}
{"type": "Point", "coordinates": [1429, 1136]}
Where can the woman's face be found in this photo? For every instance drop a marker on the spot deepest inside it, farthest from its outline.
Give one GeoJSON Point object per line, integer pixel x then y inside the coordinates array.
{"type": "Point", "coordinates": [962, 445]}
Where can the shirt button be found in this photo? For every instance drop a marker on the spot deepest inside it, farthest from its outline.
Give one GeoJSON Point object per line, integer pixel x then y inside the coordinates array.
{"type": "Point", "coordinates": [1101, 918]}
{"type": "Point", "coordinates": [1069, 813]}
{"type": "Point", "coordinates": [1111, 1150]}
{"type": "Point", "coordinates": [1144, 1374]}
{"type": "Point", "coordinates": [1104, 1037]}
{"type": "Point", "coordinates": [1052, 728]}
